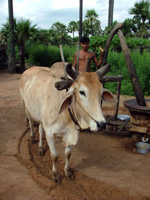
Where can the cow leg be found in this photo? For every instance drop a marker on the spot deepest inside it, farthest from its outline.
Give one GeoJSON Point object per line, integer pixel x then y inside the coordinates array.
{"type": "Point", "coordinates": [31, 124]}
{"type": "Point", "coordinates": [54, 157]}
{"type": "Point", "coordinates": [40, 148]}
{"type": "Point", "coordinates": [69, 175]}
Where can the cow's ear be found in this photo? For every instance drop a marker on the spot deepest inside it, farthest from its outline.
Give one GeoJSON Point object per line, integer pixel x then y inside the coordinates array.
{"type": "Point", "coordinates": [66, 103]}
{"type": "Point", "coordinates": [108, 96]}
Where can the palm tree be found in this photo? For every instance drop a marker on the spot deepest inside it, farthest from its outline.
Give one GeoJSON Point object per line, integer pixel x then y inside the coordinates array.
{"type": "Point", "coordinates": [24, 31]}
{"type": "Point", "coordinates": [141, 10]}
{"type": "Point", "coordinates": [141, 17]}
{"type": "Point", "coordinates": [59, 33]}
{"type": "Point", "coordinates": [41, 36]}
{"type": "Point", "coordinates": [128, 27]}
{"type": "Point", "coordinates": [91, 16]}
{"type": "Point", "coordinates": [4, 33]}
{"type": "Point", "coordinates": [85, 26]}
{"type": "Point", "coordinates": [72, 27]}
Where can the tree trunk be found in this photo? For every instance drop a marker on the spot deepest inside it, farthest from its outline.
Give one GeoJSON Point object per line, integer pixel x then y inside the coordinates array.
{"type": "Point", "coordinates": [80, 19]}
{"type": "Point", "coordinates": [110, 13]}
{"type": "Point", "coordinates": [21, 68]}
{"type": "Point", "coordinates": [73, 35]}
{"type": "Point", "coordinates": [11, 48]}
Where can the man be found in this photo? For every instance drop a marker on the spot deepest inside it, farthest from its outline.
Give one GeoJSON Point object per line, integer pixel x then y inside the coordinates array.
{"type": "Point", "coordinates": [86, 56]}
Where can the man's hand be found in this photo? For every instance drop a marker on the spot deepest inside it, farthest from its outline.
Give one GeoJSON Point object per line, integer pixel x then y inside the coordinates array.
{"type": "Point", "coordinates": [101, 51]}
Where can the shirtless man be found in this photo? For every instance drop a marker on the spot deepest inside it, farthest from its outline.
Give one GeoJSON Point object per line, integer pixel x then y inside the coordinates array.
{"type": "Point", "coordinates": [85, 55]}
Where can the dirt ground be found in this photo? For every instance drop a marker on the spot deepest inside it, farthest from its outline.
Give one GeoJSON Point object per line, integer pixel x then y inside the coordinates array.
{"type": "Point", "coordinates": [105, 164]}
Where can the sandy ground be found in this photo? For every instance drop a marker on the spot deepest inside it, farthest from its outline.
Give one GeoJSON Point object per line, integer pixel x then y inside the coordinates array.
{"type": "Point", "coordinates": [105, 165]}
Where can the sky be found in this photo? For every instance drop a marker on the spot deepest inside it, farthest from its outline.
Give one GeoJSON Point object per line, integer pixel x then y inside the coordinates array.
{"type": "Point", "coordinates": [46, 12]}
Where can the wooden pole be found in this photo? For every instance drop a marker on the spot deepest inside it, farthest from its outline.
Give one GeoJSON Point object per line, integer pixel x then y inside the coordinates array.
{"type": "Point", "coordinates": [110, 12]}
{"type": "Point", "coordinates": [63, 59]}
{"type": "Point", "coordinates": [132, 71]}
{"type": "Point", "coordinates": [80, 18]}
{"type": "Point", "coordinates": [78, 49]}
{"type": "Point", "coordinates": [80, 31]}
{"type": "Point", "coordinates": [11, 56]}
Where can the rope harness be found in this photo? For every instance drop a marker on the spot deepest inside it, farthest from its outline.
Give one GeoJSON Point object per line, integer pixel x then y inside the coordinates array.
{"type": "Point", "coordinates": [72, 115]}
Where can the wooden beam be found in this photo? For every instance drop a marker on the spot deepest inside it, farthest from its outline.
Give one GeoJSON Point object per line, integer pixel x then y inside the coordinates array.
{"type": "Point", "coordinates": [132, 71]}
{"type": "Point", "coordinates": [112, 33]}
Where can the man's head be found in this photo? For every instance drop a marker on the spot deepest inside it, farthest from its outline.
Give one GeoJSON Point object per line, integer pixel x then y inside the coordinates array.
{"type": "Point", "coordinates": [84, 41]}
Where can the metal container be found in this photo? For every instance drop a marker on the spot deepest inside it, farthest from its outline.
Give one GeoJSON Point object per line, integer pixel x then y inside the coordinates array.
{"type": "Point", "coordinates": [123, 117]}
{"type": "Point", "coordinates": [142, 147]}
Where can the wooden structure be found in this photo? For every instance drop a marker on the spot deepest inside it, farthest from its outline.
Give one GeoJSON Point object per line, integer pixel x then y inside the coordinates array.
{"type": "Point", "coordinates": [139, 108]}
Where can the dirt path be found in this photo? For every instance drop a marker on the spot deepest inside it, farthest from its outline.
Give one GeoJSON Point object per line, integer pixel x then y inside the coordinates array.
{"type": "Point", "coordinates": [105, 165]}
{"type": "Point", "coordinates": [16, 182]}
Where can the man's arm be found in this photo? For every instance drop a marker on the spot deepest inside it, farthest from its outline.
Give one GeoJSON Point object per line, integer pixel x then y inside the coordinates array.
{"type": "Point", "coordinates": [75, 61]}
{"type": "Point", "coordinates": [98, 62]}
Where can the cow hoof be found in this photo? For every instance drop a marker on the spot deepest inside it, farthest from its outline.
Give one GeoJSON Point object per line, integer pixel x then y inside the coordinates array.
{"type": "Point", "coordinates": [56, 178]}
{"type": "Point", "coordinates": [32, 139]}
{"type": "Point", "coordinates": [40, 151]}
{"type": "Point", "coordinates": [70, 176]}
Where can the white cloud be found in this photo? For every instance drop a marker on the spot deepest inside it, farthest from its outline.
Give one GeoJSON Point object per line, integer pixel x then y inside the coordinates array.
{"type": "Point", "coordinates": [46, 12]}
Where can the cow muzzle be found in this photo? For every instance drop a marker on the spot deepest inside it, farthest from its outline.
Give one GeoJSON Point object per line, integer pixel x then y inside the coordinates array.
{"type": "Point", "coordinates": [97, 125]}
{"type": "Point", "coordinates": [101, 125]}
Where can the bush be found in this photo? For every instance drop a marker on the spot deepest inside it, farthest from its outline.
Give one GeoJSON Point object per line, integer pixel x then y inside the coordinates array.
{"type": "Point", "coordinates": [42, 55]}
{"type": "Point", "coordinates": [119, 66]}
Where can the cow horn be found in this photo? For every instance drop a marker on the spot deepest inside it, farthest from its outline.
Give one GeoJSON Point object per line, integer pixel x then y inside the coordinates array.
{"type": "Point", "coordinates": [103, 70]}
{"type": "Point", "coordinates": [74, 74]}
{"type": "Point", "coordinates": [64, 84]}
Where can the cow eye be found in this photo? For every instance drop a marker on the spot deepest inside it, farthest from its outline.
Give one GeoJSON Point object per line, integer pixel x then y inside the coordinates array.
{"type": "Point", "coordinates": [82, 93]}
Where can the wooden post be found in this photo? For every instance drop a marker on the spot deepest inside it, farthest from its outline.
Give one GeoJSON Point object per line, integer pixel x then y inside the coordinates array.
{"type": "Point", "coordinates": [80, 18]}
{"type": "Point", "coordinates": [132, 71]}
{"type": "Point", "coordinates": [78, 49]}
{"type": "Point", "coordinates": [117, 96]}
{"type": "Point", "coordinates": [63, 59]}
{"type": "Point", "coordinates": [110, 13]}
{"type": "Point", "coordinates": [11, 57]}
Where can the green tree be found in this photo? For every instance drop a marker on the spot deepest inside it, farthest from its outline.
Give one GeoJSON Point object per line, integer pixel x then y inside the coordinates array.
{"type": "Point", "coordinates": [58, 34]}
{"type": "Point", "coordinates": [24, 31]}
{"type": "Point", "coordinates": [128, 27]}
{"type": "Point", "coordinates": [41, 36]}
{"type": "Point", "coordinates": [4, 33]}
{"type": "Point", "coordinates": [85, 27]}
{"type": "Point", "coordinates": [141, 12]}
{"type": "Point", "coordinates": [92, 19]}
{"type": "Point", "coordinates": [72, 27]}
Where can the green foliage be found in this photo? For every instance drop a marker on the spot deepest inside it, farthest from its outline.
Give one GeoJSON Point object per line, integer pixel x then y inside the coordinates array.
{"type": "Point", "coordinates": [133, 43]}
{"type": "Point", "coordinates": [42, 55]}
{"type": "Point", "coordinates": [118, 66]}
{"type": "Point", "coordinates": [143, 70]}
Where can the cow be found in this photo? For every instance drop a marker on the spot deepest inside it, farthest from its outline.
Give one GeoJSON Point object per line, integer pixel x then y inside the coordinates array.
{"type": "Point", "coordinates": [63, 112]}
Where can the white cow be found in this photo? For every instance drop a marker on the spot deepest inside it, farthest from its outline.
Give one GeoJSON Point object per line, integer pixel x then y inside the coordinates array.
{"type": "Point", "coordinates": [62, 113]}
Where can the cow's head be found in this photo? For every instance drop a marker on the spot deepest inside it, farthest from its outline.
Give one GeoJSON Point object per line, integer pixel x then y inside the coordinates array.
{"type": "Point", "coordinates": [84, 97]}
